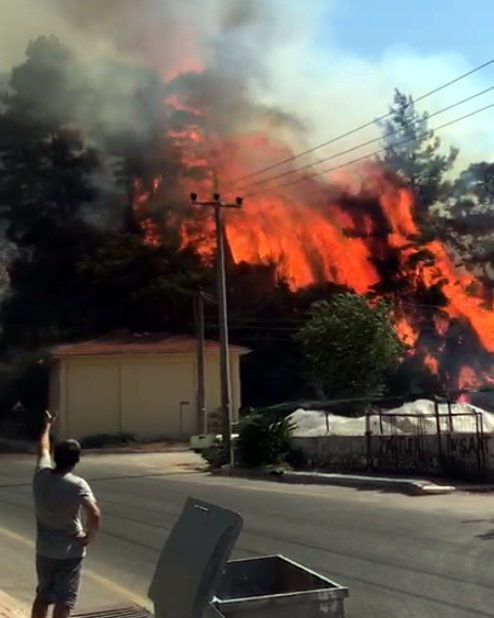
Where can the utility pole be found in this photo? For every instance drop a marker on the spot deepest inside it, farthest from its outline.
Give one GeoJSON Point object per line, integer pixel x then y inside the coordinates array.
{"type": "Point", "coordinates": [202, 425]}
{"type": "Point", "coordinates": [226, 414]}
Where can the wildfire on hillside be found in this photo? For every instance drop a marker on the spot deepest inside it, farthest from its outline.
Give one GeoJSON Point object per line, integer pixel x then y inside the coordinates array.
{"type": "Point", "coordinates": [355, 229]}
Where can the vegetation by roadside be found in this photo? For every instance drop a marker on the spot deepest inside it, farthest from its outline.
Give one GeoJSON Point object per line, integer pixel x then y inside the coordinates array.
{"type": "Point", "coordinates": [263, 441]}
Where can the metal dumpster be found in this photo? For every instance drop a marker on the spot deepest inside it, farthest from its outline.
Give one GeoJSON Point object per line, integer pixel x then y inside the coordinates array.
{"type": "Point", "coordinates": [193, 578]}
{"type": "Point", "coordinates": [273, 586]}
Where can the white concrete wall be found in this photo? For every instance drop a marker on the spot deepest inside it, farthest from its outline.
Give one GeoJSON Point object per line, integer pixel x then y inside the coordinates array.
{"type": "Point", "coordinates": [399, 454]}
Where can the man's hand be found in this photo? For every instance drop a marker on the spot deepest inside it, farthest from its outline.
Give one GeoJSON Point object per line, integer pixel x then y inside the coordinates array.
{"type": "Point", "coordinates": [93, 517]}
{"type": "Point", "coordinates": [43, 442]}
{"type": "Point", "coordinates": [83, 540]}
{"type": "Point", "coordinates": [49, 418]}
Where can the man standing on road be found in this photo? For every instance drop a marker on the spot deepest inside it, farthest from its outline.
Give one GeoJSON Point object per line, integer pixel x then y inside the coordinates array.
{"type": "Point", "coordinates": [60, 499]}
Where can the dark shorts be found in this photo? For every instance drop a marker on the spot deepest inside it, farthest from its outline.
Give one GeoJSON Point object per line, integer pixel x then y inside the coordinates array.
{"type": "Point", "coordinates": [58, 580]}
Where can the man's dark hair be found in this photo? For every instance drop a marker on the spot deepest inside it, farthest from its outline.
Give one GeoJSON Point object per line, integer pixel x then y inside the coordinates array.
{"type": "Point", "coordinates": [67, 454]}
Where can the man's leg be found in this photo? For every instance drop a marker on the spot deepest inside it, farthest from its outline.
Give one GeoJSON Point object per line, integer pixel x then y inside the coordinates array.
{"type": "Point", "coordinates": [40, 608]}
{"type": "Point", "coordinates": [67, 582]}
{"type": "Point", "coordinates": [61, 610]}
{"type": "Point", "coordinates": [45, 587]}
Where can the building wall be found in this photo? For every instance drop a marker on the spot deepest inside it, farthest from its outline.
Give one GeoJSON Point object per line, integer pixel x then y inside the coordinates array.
{"type": "Point", "coordinates": [141, 395]}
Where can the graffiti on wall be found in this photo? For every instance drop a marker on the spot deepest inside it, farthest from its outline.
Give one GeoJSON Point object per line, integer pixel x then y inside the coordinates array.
{"type": "Point", "coordinates": [406, 454]}
{"type": "Point", "coordinates": [468, 447]}
{"type": "Point", "coordinates": [422, 453]}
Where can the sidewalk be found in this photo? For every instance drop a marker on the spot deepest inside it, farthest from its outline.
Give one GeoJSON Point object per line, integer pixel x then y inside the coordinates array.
{"type": "Point", "coordinates": [11, 608]}
{"type": "Point", "coordinates": [415, 487]}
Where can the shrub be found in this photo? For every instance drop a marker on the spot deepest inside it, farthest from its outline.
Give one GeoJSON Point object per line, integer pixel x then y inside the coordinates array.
{"type": "Point", "coordinates": [263, 441]}
{"type": "Point", "coordinates": [106, 439]}
{"type": "Point", "coordinates": [215, 456]}
{"type": "Point", "coordinates": [214, 421]}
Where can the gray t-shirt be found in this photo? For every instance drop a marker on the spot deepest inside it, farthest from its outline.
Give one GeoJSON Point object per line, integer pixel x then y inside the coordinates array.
{"type": "Point", "coordinates": [58, 499]}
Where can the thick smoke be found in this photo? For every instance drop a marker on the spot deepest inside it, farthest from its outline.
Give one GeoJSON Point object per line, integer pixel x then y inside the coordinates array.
{"type": "Point", "coordinates": [210, 55]}
{"type": "Point", "coordinates": [275, 54]}
{"type": "Point", "coordinates": [262, 76]}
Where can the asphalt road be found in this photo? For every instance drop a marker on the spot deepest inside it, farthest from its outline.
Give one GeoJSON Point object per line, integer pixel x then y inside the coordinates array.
{"type": "Point", "coordinates": [427, 557]}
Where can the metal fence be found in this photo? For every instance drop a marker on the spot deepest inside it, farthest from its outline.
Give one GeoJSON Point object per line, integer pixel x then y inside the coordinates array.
{"type": "Point", "coordinates": [451, 443]}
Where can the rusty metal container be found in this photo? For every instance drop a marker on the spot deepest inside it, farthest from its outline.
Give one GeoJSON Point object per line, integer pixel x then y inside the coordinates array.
{"type": "Point", "coordinates": [194, 578]}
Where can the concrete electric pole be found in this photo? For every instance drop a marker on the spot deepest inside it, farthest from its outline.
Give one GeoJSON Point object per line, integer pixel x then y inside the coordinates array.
{"type": "Point", "coordinates": [226, 413]}
{"type": "Point", "coordinates": [202, 425]}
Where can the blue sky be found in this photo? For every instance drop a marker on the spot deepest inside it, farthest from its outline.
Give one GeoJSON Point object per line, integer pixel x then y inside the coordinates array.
{"type": "Point", "coordinates": [350, 55]}
{"type": "Point", "coordinates": [370, 27]}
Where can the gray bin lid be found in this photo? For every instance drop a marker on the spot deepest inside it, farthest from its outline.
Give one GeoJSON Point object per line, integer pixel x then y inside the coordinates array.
{"type": "Point", "coordinates": [193, 560]}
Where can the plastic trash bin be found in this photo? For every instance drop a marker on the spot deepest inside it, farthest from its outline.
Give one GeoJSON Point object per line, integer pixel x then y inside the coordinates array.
{"type": "Point", "coordinates": [193, 578]}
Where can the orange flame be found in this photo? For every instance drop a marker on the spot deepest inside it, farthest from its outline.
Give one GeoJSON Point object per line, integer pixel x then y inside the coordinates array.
{"type": "Point", "coordinates": [312, 232]}
{"type": "Point", "coordinates": [432, 364]}
{"type": "Point", "coordinates": [150, 231]}
{"type": "Point", "coordinates": [467, 377]}
{"type": "Point", "coordinates": [406, 333]}
{"type": "Point", "coordinates": [305, 246]}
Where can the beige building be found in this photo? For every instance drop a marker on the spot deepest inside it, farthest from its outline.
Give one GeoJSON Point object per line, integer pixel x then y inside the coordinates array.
{"type": "Point", "coordinates": [140, 384]}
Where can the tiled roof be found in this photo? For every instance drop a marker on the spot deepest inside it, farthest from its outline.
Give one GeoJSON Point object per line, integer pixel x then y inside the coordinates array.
{"type": "Point", "coordinates": [136, 343]}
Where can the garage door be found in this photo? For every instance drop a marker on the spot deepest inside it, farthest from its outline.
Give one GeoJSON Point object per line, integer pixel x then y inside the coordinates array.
{"type": "Point", "coordinates": [152, 398]}
{"type": "Point", "coordinates": [92, 399]}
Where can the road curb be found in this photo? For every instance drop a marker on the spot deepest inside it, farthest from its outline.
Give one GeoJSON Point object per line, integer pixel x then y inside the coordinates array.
{"type": "Point", "coordinates": [408, 486]}
{"type": "Point", "coordinates": [137, 450]}
{"type": "Point", "coordinates": [476, 489]}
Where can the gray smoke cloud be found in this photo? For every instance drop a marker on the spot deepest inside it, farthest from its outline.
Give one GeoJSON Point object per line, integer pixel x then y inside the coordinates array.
{"type": "Point", "coordinates": [211, 54]}
{"type": "Point", "coordinates": [263, 64]}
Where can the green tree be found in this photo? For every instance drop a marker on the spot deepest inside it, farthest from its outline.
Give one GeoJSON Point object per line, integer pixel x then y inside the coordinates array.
{"type": "Point", "coordinates": [347, 345]}
{"type": "Point", "coordinates": [467, 222]}
{"type": "Point", "coordinates": [413, 152]}
{"type": "Point", "coordinates": [45, 166]}
{"type": "Point", "coordinates": [46, 191]}
{"type": "Point", "coordinates": [469, 216]}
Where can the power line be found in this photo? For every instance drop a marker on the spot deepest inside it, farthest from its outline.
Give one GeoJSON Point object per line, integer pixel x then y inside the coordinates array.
{"type": "Point", "coordinates": [365, 125]}
{"type": "Point", "coordinates": [372, 154]}
{"type": "Point", "coordinates": [362, 144]}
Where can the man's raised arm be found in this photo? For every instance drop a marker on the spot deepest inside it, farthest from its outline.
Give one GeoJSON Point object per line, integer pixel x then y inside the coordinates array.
{"type": "Point", "coordinates": [43, 442]}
